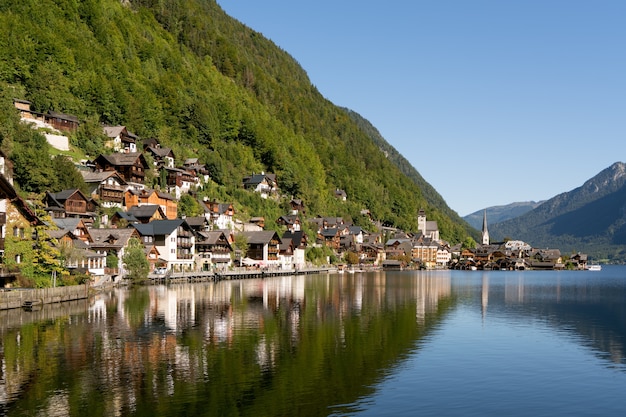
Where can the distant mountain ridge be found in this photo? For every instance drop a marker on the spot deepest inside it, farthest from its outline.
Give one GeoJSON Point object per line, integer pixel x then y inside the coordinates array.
{"type": "Point", "coordinates": [589, 219]}
{"type": "Point", "coordinates": [498, 214]}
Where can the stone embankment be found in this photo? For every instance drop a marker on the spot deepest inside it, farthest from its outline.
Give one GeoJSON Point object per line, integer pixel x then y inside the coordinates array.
{"type": "Point", "coordinates": [33, 298]}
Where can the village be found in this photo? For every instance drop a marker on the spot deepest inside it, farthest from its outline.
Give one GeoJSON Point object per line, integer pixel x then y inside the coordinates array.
{"type": "Point", "coordinates": [175, 243]}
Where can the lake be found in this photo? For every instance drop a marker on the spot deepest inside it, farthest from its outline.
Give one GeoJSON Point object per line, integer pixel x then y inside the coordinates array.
{"type": "Point", "coordinates": [431, 343]}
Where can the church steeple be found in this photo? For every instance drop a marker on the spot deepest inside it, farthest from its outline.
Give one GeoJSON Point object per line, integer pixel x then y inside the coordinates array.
{"type": "Point", "coordinates": [485, 231]}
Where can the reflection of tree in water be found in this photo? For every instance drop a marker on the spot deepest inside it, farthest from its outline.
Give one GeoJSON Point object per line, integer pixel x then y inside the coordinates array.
{"type": "Point", "coordinates": [284, 346]}
{"type": "Point", "coordinates": [135, 306]}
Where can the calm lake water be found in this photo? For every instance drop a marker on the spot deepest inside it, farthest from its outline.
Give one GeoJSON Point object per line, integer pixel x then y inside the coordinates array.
{"type": "Point", "coordinates": [441, 343]}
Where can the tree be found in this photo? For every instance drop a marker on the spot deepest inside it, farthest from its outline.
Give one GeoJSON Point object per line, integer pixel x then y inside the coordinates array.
{"type": "Point", "coordinates": [67, 177]}
{"type": "Point", "coordinates": [351, 258]}
{"type": "Point", "coordinates": [136, 262]}
{"type": "Point", "coordinates": [241, 246]}
{"type": "Point", "coordinates": [189, 206]}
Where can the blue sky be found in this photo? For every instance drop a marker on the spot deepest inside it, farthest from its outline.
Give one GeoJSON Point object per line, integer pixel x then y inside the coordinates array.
{"type": "Point", "coordinates": [492, 101]}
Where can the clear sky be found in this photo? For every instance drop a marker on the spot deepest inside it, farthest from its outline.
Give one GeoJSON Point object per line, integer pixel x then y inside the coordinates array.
{"type": "Point", "coordinates": [492, 101]}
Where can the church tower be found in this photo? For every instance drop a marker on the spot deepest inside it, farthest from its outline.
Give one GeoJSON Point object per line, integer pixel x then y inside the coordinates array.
{"type": "Point", "coordinates": [421, 221]}
{"type": "Point", "coordinates": [485, 231]}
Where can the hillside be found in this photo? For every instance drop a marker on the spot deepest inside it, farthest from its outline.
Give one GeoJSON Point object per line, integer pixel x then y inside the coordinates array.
{"type": "Point", "coordinates": [590, 218]}
{"type": "Point", "coordinates": [498, 214]}
{"type": "Point", "coordinates": [206, 86]}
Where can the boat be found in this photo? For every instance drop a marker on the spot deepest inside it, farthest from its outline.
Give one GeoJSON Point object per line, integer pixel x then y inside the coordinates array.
{"type": "Point", "coordinates": [594, 267]}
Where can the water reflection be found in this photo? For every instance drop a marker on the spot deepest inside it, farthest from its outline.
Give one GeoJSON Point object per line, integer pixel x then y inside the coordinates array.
{"type": "Point", "coordinates": [588, 306]}
{"type": "Point", "coordinates": [253, 347]}
{"type": "Point", "coordinates": [281, 346]}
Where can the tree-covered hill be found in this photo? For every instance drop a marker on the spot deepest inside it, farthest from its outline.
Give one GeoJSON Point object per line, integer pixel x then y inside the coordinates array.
{"type": "Point", "coordinates": [207, 86]}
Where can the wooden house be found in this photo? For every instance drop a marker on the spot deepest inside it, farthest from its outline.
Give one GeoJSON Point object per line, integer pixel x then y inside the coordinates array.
{"type": "Point", "coordinates": [213, 250]}
{"type": "Point", "coordinates": [120, 139]}
{"type": "Point", "coordinates": [106, 187]}
{"type": "Point", "coordinates": [263, 247]}
{"type": "Point", "coordinates": [167, 203]}
{"type": "Point", "coordinates": [131, 166]}
{"type": "Point", "coordinates": [264, 184]}
{"type": "Point", "coordinates": [219, 215]}
{"type": "Point", "coordinates": [163, 157]}
{"type": "Point", "coordinates": [71, 203]}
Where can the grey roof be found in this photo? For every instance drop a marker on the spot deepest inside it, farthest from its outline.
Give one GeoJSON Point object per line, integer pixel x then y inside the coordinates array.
{"type": "Point", "coordinates": [145, 211]}
{"type": "Point", "coordinates": [297, 237]}
{"type": "Point", "coordinates": [67, 223]}
{"type": "Point", "coordinates": [159, 227]}
{"type": "Point", "coordinates": [100, 176]}
{"type": "Point", "coordinates": [213, 237]}
{"type": "Point", "coordinates": [113, 131]}
{"type": "Point", "coordinates": [121, 159]}
{"type": "Point", "coordinates": [161, 152]}
{"type": "Point", "coordinates": [128, 217]}
{"type": "Point", "coordinates": [260, 237]}
{"type": "Point", "coordinates": [196, 221]}
{"type": "Point", "coordinates": [100, 237]}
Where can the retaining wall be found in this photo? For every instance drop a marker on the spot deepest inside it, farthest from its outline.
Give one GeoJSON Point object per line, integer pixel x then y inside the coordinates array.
{"type": "Point", "coordinates": [17, 297]}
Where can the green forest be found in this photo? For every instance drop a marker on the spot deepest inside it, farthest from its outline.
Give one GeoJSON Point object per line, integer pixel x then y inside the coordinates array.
{"type": "Point", "coordinates": [202, 83]}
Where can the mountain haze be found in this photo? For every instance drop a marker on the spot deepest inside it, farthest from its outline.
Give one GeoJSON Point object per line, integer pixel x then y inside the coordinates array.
{"type": "Point", "coordinates": [497, 214]}
{"type": "Point", "coordinates": [590, 218]}
{"type": "Point", "coordinates": [207, 86]}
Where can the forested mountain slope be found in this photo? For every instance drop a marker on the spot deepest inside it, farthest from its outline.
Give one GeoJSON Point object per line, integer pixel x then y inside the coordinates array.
{"type": "Point", "coordinates": [590, 218]}
{"type": "Point", "coordinates": [206, 86]}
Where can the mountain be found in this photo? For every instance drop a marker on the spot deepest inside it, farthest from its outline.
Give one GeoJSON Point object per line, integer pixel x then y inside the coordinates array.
{"type": "Point", "coordinates": [590, 219]}
{"type": "Point", "coordinates": [207, 86]}
{"type": "Point", "coordinates": [498, 214]}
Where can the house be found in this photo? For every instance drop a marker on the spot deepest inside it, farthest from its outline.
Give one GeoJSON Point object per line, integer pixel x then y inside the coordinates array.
{"type": "Point", "coordinates": [106, 187]}
{"type": "Point", "coordinates": [328, 222]}
{"type": "Point", "coordinates": [120, 139]}
{"type": "Point", "coordinates": [17, 224]}
{"type": "Point", "coordinates": [147, 213]}
{"type": "Point", "coordinates": [52, 119]}
{"type": "Point", "coordinates": [192, 164]}
{"type": "Point", "coordinates": [219, 215]}
{"type": "Point", "coordinates": [122, 219]}
{"type": "Point", "coordinates": [213, 250]}
{"type": "Point", "coordinates": [153, 256]}
{"type": "Point", "coordinates": [332, 237]}
{"type": "Point", "coordinates": [168, 204]}
{"type": "Point", "coordinates": [198, 223]}
{"type": "Point", "coordinates": [291, 222]}
{"type": "Point", "coordinates": [264, 184]}
{"type": "Point", "coordinates": [112, 243]}
{"type": "Point", "coordinates": [76, 253]}
{"type": "Point", "coordinates": [424, 252]}
{"type": "Point", "coordinates": [163, 157]}
{"type": "Point", "coordinates": [297, 206]}
{"type": "Point", "coordinates": [180, 181]}
{"type": "Point", "coordinates": [398, 247]}
{"type": "Point", "coordinates": [131, 167]}
{"type": "Point", "coordinates": [263, 248]}
{"type": "Point", "coordinates": [297, 241]}
{"type": "Point", "coordinates": [71, 203]}
{"type": "Point", "coordinates": [76, 226]}
{"type": "Point", "coordinates": [174, 241]}
{"type": "Point", "coordinates": [340, 194]}
{"type": "Point", "coordinates": [373, 253]}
